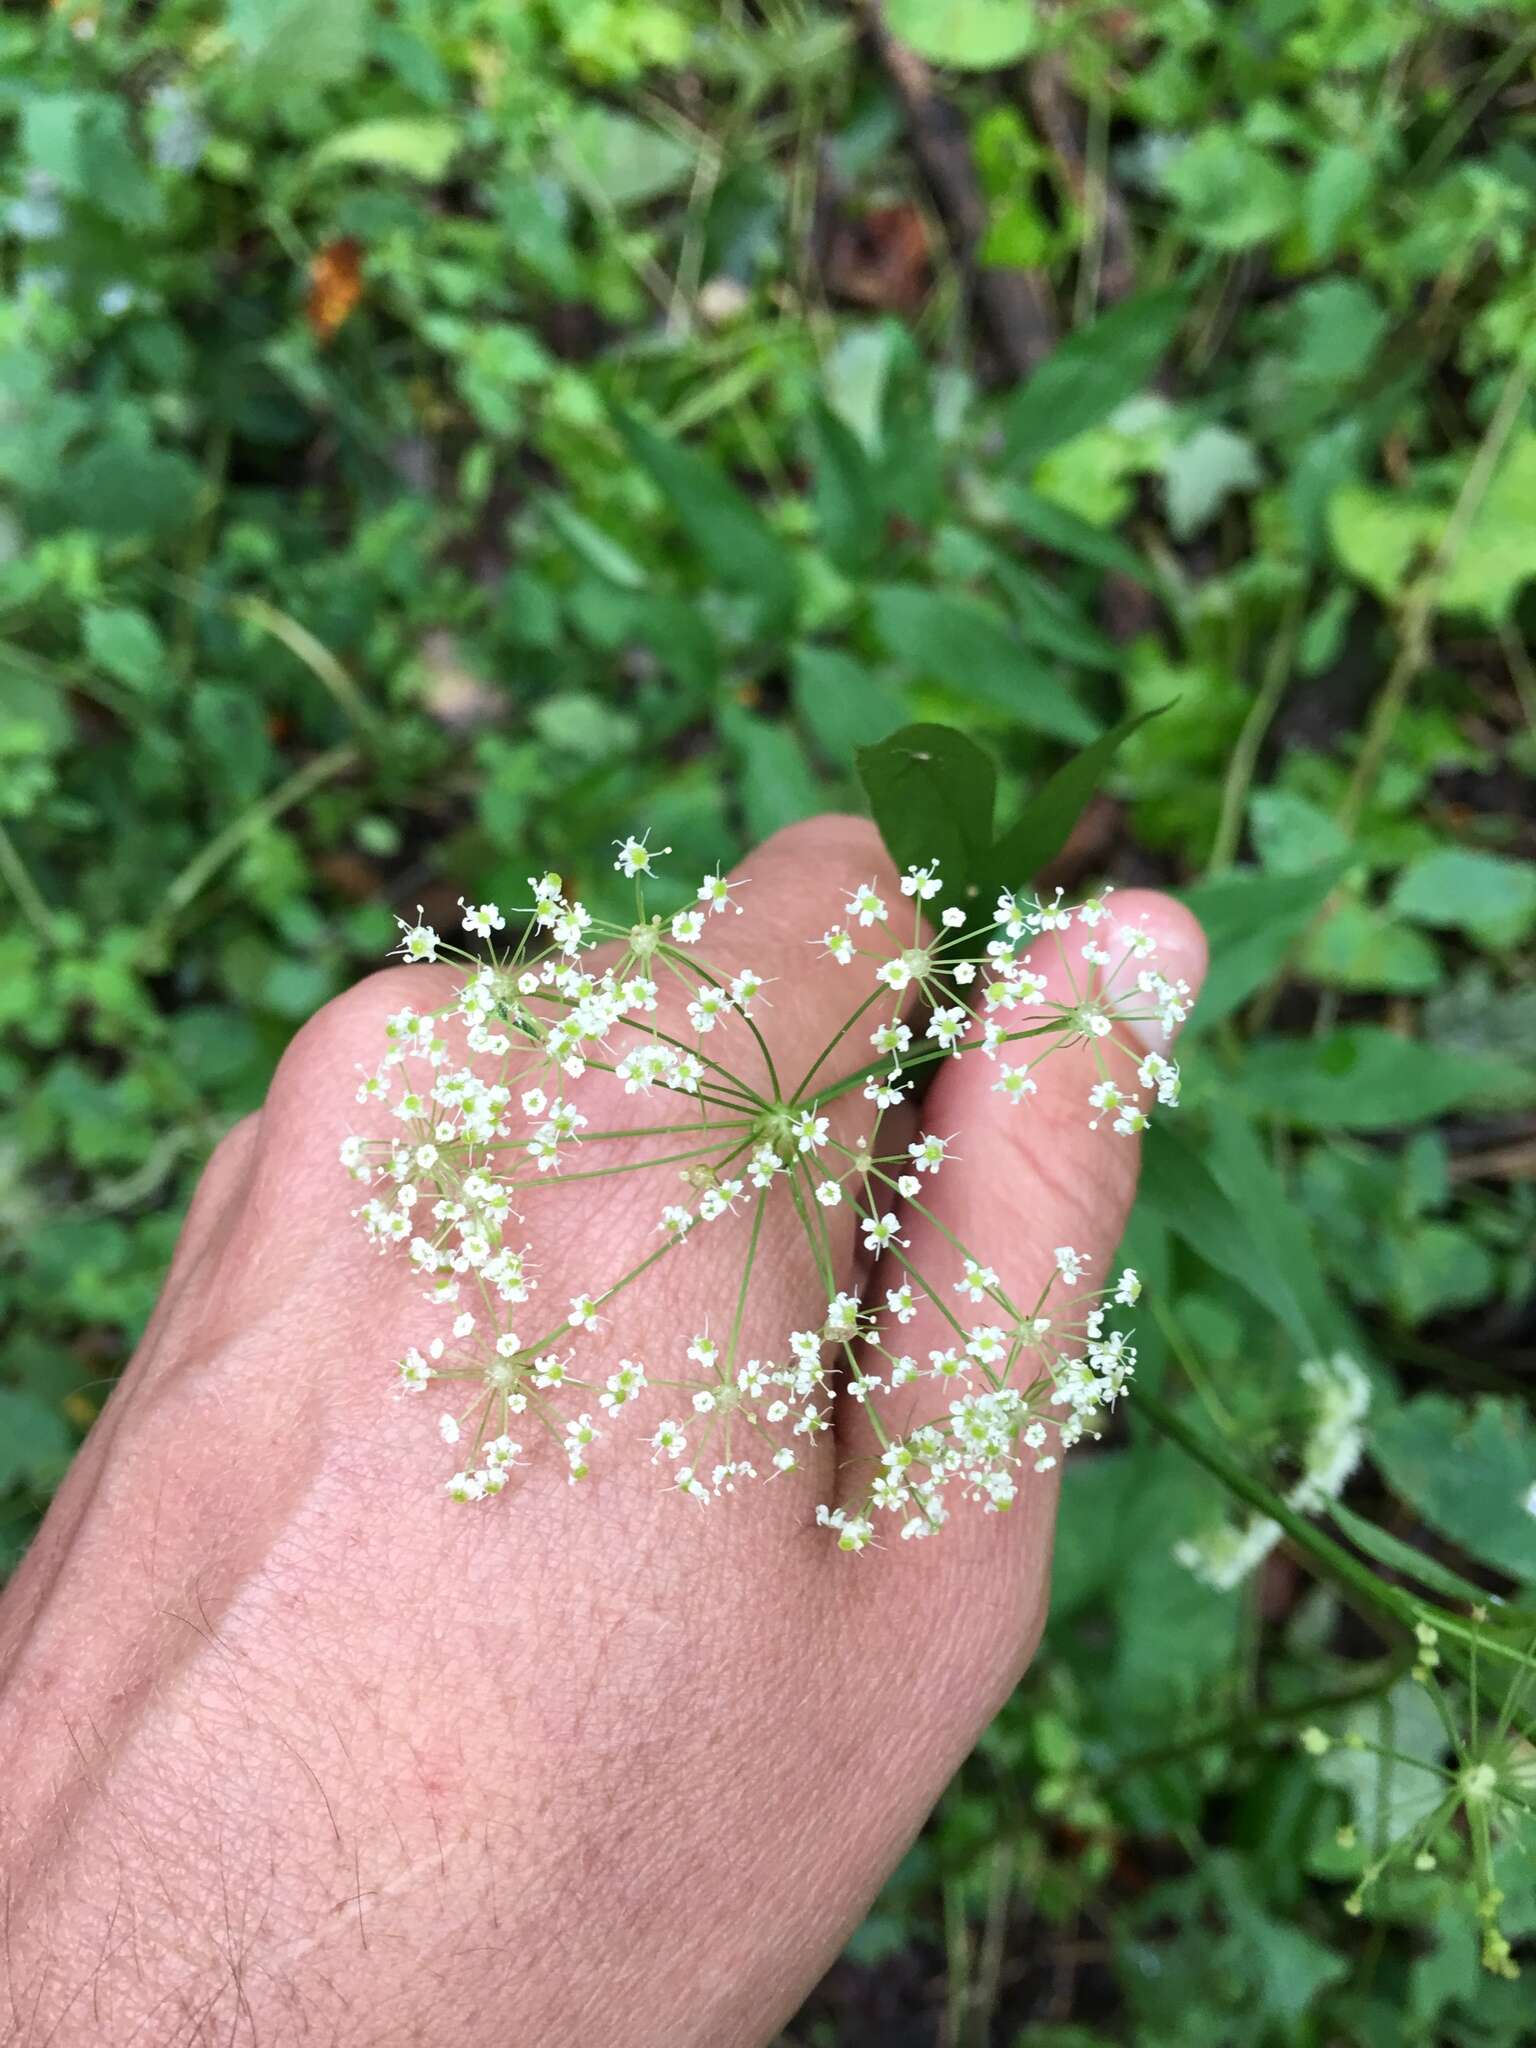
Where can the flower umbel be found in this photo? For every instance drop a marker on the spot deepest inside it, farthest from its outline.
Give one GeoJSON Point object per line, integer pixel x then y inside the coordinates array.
{"type": "Point", "coordinates": [1011, 1384]}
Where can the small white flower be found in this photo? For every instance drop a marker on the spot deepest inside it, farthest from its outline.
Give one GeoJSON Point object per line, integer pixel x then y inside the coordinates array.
{"type": "Point", "coordinates": [1070, 1265]}
{"type": "Point", "coordinates": [923, 883]}
{"type": "Point", "coordinates": [482, 919]}
{"type": "Point", "coordinates": [838, 944]}
{"type": "Point", "coordinates": [715, 894]}
{"type": "Point", "coordinates": [879, 1231]}
{"type": "Point", "coordinates": [417, 941]}
{"type": "Point", "coordinates": [635, 856]}
{"type": "Point", "coordinates": [866, 905]}
{"type": "Point", "coordinates": [929, 1152]}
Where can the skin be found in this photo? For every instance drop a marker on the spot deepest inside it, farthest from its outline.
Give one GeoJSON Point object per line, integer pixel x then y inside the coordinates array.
{"type": "Point", "coordinates": [296, 1749]}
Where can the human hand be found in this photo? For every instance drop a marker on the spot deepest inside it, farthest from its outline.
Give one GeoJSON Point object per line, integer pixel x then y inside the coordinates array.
{"type": "Point", "coordinates": [298, 1749]}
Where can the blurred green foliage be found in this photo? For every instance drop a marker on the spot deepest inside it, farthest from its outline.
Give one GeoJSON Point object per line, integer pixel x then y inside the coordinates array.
{"type": "Point", "coordinates": [434, 438]}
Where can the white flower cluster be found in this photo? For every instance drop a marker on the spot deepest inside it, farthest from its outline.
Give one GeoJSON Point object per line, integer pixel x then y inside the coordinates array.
{"type": "Point", "coordinates": [1012, 1385]}
{"type": "Point", "coordinates": [1338, 1398]}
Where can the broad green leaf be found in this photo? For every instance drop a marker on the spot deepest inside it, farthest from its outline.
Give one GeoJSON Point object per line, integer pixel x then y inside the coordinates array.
{"type": "Point", "coordinates": [34, 1441]}
{"type": "Point", "coordinates": [618, 159]}
{"type": "Point", "coordinates": [1337, 184]}
{"type": "Point", "coordinates": [1338, 326]}
{"type": "Point", "coordinates": [1389, 1794]}
{"type": "Point", "coordinates": [1365, 1078]}
{"type": "Point", "coordinates": [931, 791]}
{"type": "Point", "coordinates": [1252, 920]}
{"type": "Point", "coordinates": [729, 532]}
{"type": "Point", "coordinates": [1200, 475]}
{"type": "Point", "coordinates": [1383, 542]}
{"type": "Point", "coordinates": [80, 141]}
{"type": "Point", "coordinates": [776, 783]}
{"type": "Point", "coordinates": [1402, 1558]}
{"type": "Point", "coordinates": [969, 646]}
{"type": "Point", "coordinates": [1180, 1190]}
{"type": "Point", "coordinates": [1231, 193]}
{"type": "Point", "coordinates": [1387, 542]}
{"type": "Point", "coordinates": [297, 43]}
{"type": "Point", "coordinates": [1091, 373]}
{"type": "Point", "coordinates": [1047, 618]}
{"type": "Point", "coordinates": [1357, 946]}
{"type": "Point", "coordinates": [842, 704]}
{"type": "Point", "coordinates": [1054, 527]}
{"type": "Point", "coordinates": [124, 489]}
{"type": "Point", "coordinates": [1291, 835]}
{"type": "Point", "coordinates": [599, 550]}
{"type": "Point", "coordinates": [126, 644]}
{"type": "Point", "coordinates": [421, 146]}
{"type": "Point", "coordinates": [846, 492]}
{"type": "Point", "coordinates": [1459, 888]}
{"type": "Point", "coordinates": [1048, 817]}
{"type": "Point", "coordinates": [1469, 1471]}
{"type": "Point", "coordinates": [967, 35]}
{"type": "Point", "coordinates": [1240, 1164]}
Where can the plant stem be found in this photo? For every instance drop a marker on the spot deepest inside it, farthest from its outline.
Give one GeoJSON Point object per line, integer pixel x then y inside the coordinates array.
{"type": "Point", "coordinates": [29, 897]}
{"type": "Point", "coordinates": [1250, 741]}
{"type": "Point", "coordinates": [204, 865]}
{"type": "Point", "coordinates": [1418, 612]}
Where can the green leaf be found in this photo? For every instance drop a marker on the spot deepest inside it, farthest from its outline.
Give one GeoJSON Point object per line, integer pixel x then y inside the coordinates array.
{"type": "Point", "coordinates": [1252, 920]}
{"type": "Point", "coordinates": [1181, 1192]}
{"type": "Point", "coordinates": [842, 704]}
{"type": "Point", "coordinates": [1093, 372]}
{"type": "Point", "coordinates": [1034, 841]}
{"type": "Point", "coordinates": [1358, 946]}
{"type": "Point", "coordinates": [727, 529]}
{"type": "Point", "coordinates": [968, 645]}
{"type": "Point", "coordinates": [931, 791]}
{"type": "Point", "coordinates": [34, 1441]}
{"type": "Point", "coordinates": [1054, 527]}
{"type": "Point", "coordinates": [418, 147]}
{"type": "Point", "coordinates": [968, 35]}
{"type": "Point", "coordinates": [1459, 888]}
{"type": "Point", "coordinates": [845, 492]}
{"type": "Point", "coordinates": [1231, 193]}
{"type": "Point", "coordinates": [1469, 1472]}
{"type": "Point", "coordinates": [1199, 476]}
{"type": "Point", "coordinates": [125, 489]}
{"type": "Point", "coordinates": [1337, 184]}
{"type": "Point", "coordinates": [1046, 617]}
{"type": "Point", "coordinates": [126, 644]}
{"type": "Point", "coordinates": [599, 550]}
{"type": "Point", "coordinates": [1365, 1078]}
{"type": "Point", "coordinates": [1402, 1558]}
{"type": "Point", "coordinates": [1387, 542]}
{"type": "Point", "coordinates": [81, 142]}
{"type": "Point", "coordinates": [1293, 836]}
{"type": "Point", "coordinates": [299, 43]}
{"type": "Point", "coordinates": [619, 159]}
{"type": "Point", "coordinates": [776, 783]}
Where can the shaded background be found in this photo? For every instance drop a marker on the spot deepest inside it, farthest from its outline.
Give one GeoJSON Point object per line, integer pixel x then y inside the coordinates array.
{"type": "Point", "coordinates": [435, 438]}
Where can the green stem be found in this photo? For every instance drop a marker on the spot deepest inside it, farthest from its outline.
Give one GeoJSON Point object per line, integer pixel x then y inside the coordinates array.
{"type": "Point", "coordinates": [1245, 755]}
{"type": "Point", "coordinates": [1245, 1731]}
{"type": "Point", "coordinates": [1418, 612]}
{"type": "Point", "coordinates": [29, 897]}
{"type": "Point", "coordinates": [201, 869]}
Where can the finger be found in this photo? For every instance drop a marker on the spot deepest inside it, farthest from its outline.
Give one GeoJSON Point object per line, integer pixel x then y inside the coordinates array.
{"type": "Point", "coordinates": [758, 1260]}
{"type": "Point", "coordinates": [1028, 1178]}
